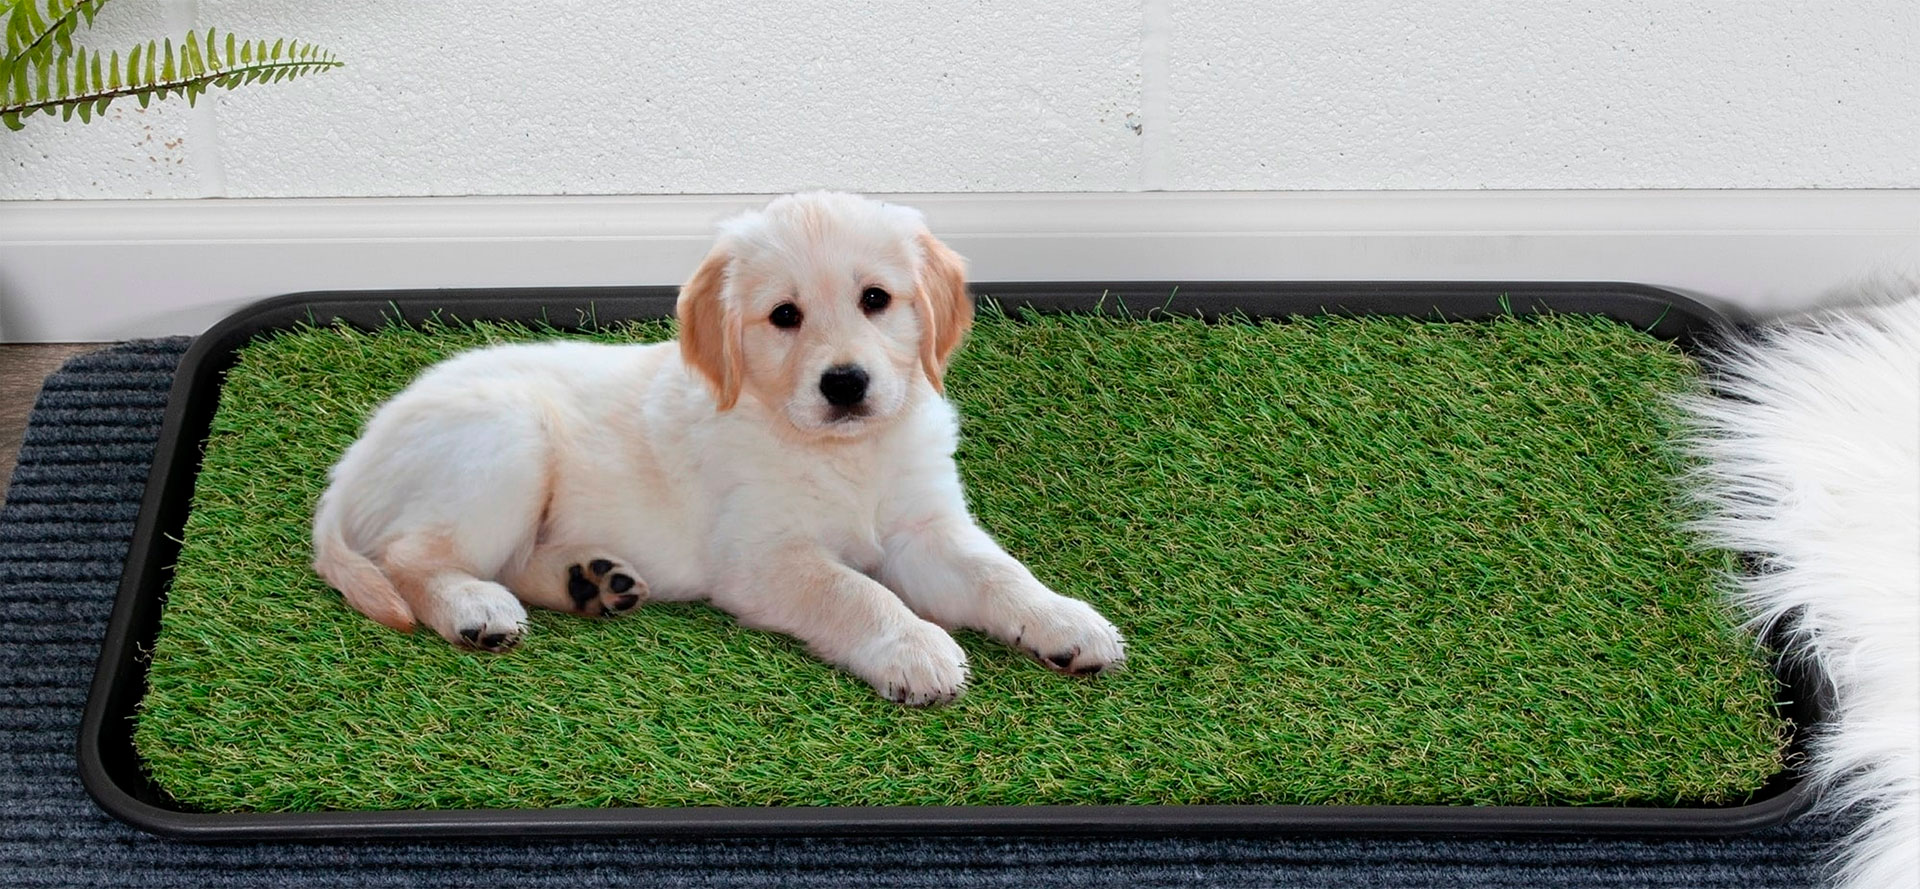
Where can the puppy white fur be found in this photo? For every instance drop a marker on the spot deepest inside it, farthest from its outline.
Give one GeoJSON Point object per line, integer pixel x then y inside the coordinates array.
{"type": "Point", "coordinates": [790, 459]}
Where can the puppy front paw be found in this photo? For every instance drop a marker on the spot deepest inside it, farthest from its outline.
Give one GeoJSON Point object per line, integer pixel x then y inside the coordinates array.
{"type": "Point", "coordinates": [919, 667]}
{"type": "Point", "coordinates": [1069, 636]}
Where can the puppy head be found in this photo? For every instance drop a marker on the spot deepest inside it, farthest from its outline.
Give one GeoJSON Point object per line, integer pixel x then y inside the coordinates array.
{"type": "Point", "coordinates": [825, 307]}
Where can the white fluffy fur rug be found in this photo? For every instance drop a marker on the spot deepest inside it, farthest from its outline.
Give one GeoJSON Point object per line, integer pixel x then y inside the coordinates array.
{"type": "Point", "coordinates": [1812, 459]}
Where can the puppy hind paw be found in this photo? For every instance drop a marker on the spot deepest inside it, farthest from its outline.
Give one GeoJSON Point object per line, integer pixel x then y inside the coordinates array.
{"type": "Point", "coordinates": [482, 616]}
{"type": "Point", "coordinates": [605, 586]}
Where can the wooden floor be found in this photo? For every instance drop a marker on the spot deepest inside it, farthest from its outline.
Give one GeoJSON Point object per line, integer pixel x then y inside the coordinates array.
{"type": "Point", "coordinates": [22, 368]}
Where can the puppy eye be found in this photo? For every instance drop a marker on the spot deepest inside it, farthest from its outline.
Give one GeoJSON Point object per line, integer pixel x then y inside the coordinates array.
{"type": "Point", "coordinates": [873, 299]}
{"type": "Point", "coordinates": [785, 316]}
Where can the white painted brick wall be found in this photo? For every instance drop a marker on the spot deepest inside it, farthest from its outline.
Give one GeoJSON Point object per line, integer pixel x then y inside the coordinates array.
{"type": "Point", "coordinates": [676, 96]}
{"type": "Point", "coordinates": [1368, 94]}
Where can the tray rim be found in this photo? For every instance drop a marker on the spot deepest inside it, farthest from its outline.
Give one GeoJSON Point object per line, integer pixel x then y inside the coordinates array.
{"type": "Point", "coordinates": [112, 775]}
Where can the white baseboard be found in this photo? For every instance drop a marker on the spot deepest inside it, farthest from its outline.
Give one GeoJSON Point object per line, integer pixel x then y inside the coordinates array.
{"type": "Point", "coordinates": [86, 271]}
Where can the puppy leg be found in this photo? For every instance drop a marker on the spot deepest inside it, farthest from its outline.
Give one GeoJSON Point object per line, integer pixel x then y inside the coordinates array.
{"type": "Point", "coordinates": [428, 572]}
{"type": "Point", "coordinates": [447, 486]}
{"type": "Point", "coordinates": [847, 619]}
{"type": "Point", "coordinates": [577, 580]}
{"type": "Point", "coordinates": [950, 572]}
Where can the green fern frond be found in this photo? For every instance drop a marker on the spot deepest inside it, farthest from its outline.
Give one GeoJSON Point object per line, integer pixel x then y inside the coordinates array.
{"type": "Point", "coordinates": [35, 29]}
{"type": "Point", "coordinates": [45, 73]}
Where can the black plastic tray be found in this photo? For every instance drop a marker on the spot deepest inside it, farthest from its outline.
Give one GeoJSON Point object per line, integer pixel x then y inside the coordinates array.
{"type": "Point", "coordinates": [112, 771]}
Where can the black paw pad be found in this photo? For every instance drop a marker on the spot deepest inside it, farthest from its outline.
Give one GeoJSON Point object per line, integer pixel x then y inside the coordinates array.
{"type": "Point", "coordinates": [476, 639]}
{"type": "Point", "coordinates": [579, 588]}
{"type": "Point", "coordinates": [1061, 660]}
{"type": "Point", "coordinates": [604, 587]}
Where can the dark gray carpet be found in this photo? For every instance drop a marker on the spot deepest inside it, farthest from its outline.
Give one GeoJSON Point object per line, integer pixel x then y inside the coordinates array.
{"type": "Point", "coordinates": [63, 536]}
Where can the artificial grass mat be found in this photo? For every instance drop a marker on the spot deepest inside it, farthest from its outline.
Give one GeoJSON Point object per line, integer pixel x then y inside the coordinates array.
{"type": "Point", "coordinates": [1381, 561]}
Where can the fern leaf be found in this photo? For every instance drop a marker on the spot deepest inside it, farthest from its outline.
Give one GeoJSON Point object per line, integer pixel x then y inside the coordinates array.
{"type": "Point", "coordinates": [34, 37]}
{"type": "Point", "coordinates": [17, 36]}
{"type": "Point", "coordinates": [82, 82]}
{"type": "Point", "coordinates": [33, 29]}
{"type": "Point", "coordinates": [62, 37]}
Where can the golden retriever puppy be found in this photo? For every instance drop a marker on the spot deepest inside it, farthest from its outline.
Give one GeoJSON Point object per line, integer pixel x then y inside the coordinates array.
{"type": "Point", "coordinates": [790, 459]}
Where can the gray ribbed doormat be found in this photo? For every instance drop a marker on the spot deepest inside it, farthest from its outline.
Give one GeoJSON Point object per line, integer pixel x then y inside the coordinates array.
{"type": "Point", "coordinates": [63, 535]}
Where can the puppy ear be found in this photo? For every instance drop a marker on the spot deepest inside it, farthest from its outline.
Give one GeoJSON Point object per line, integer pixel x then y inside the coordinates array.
{"type": "Point", "coordinates": [945, 306]}
{"type": "Point", "coordinates": [709, 331]}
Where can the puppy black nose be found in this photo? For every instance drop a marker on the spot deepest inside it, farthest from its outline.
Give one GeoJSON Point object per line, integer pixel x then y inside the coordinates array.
{"type": "Point", "coordinates": [844, 385]}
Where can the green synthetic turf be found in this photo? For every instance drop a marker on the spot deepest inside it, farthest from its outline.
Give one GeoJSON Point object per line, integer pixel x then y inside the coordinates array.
{"type": "Point", "coordinates": [1357, 562]}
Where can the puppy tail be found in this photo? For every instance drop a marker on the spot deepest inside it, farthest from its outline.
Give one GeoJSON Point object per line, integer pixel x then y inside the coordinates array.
{"type": "Point", "coordinates": [354, 575]}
